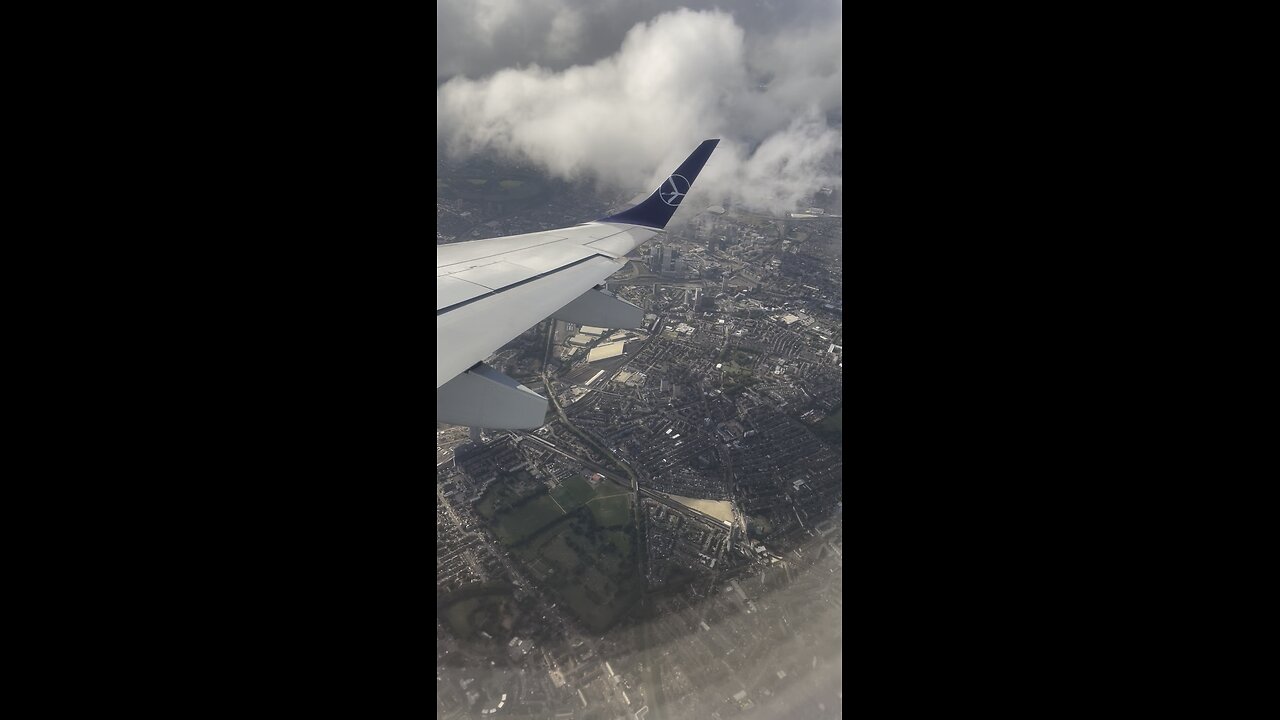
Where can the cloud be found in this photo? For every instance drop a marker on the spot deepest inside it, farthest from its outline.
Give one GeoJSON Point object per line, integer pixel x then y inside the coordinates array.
{"type": "Point", "coordinates": [476, 38]}
{"type": "Point", "coordinates": [627, 118]}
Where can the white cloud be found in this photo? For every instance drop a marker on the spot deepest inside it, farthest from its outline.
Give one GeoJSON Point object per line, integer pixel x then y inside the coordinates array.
{"type": "Point", "coordinates": [628, 118]}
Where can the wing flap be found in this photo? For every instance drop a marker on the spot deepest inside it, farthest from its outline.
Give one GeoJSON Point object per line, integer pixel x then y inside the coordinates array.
{"type": "Point", "coordinates": [620, 243]}
{"type": "Point", "coordinates": [469, 333]}
{"type": "Point", "coordinates": [495, 276]}
{"type": "Point", "coordinates": [484, 397]}
{"type": "Point", "coordinates": [451, 291]}
{"type": "Point", "coordinates": [547, 258]}
{"type": "Point", "coordinates": [474, 251]}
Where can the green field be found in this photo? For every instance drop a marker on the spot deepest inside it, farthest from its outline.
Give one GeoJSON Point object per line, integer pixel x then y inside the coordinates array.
{"type": "Point", "coordinates": [490, 609]}
{"type": "Point", "coordinates": [491, 614]}
{"type": "Point", "coordinates": [540, 569]}
{"type": "Point", "coordinates": [573, 539]}
{"type": "Point", "coordinates": [458, 613]}
{"type": "Point", "coordinates": [590, 568]}
{"type": "Point", "coordinates": [508, 493]}
{"type": "Point", "coordinates": [609, 503]}
{"type": "Point", "coordinates": [557, 553]}
{"type": "Point", "coordinates": [517, 525]}
{"type": "Point", "coordinates": [621, 551]}
{"type": "Point", "coordinates": [612, 511]}
{"type": "Point", "coordinates": [461, 615]}
{"type": "Point", "coordinates": [517, 510]}
{"type": "Point", "coordinates": [573, 492]}
{"type": "Point", "coordinates": [517, 515]}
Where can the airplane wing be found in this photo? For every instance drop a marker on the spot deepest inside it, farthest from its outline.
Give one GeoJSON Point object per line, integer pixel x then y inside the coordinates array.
{"type": "Point", "coordinates": [489, 291]}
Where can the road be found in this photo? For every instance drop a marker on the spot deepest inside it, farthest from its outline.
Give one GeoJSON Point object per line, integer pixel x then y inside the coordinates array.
{"type": "Point", "coordinates": [651, 681]}
{"type": "Point", "coordinates": [652, 667]}
{"type": "Point", "coordinates": [597, 446]}
{"type": "Point", "coordinates": [608, 473]}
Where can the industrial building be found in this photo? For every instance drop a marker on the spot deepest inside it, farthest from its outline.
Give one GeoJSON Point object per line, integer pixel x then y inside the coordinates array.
{"type": "Point", "coordinates": [605, 351]}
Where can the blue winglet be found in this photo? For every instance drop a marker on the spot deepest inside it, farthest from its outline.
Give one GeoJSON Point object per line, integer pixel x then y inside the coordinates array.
{"type": "Point", "coordinates": [658, 208]}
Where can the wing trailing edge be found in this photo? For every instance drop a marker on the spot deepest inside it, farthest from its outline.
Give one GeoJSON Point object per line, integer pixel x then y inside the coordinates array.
{"type": "Point", "coordinates": [483, 397]}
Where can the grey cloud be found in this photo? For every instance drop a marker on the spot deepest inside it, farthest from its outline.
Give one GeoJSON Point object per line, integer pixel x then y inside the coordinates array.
{"type": "Point", "coordinates": [476, 38]}
{"type": "Point", "coordinates": [629, 116]}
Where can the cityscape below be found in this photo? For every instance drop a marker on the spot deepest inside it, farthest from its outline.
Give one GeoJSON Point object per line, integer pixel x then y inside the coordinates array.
{"type": "Point", "coordinates": [669, 543]}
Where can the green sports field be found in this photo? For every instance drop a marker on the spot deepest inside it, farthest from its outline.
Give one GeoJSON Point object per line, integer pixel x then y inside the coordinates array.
{"type": "Point", "coordinates": [574, 539]}
{"type": "Point", "coordinates": [612, 510]}
{"type": "Point", "coordinates": [575, 491]}
{"type": "Point", "coordinates": [517, 525]}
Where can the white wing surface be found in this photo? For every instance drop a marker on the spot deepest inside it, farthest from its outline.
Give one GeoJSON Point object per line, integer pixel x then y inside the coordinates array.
{"type": "Point", "coordinates": [490, 291]}
{"type": "Point", "coordinates": [487, 295]}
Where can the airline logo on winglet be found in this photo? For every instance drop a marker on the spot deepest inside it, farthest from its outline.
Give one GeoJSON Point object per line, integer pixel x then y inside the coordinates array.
{"type": "Point", "coordinates": [671, 192]}
{"type": "Point", "coordinates": [656, 211]}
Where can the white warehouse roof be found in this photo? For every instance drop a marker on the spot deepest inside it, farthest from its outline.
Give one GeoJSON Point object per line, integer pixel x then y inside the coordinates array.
{"type": "Point", "coordinates": [606, 351]}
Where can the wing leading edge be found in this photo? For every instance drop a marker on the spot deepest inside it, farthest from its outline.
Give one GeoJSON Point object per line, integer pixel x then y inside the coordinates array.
{"type": "Point", "coordinates": [489, 291]}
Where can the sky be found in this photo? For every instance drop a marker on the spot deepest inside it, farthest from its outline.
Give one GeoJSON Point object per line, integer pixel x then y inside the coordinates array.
{"type": "Point", "coordinates": [618, 92]}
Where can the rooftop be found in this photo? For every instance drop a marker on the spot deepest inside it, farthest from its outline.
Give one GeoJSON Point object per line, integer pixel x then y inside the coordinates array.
{"type": "Point", "coordinates": [606, 351]}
